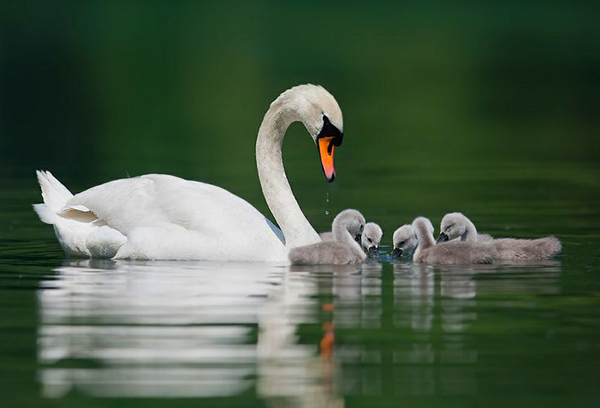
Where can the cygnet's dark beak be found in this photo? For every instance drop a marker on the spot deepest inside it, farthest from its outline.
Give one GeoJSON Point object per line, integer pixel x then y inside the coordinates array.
{"type": "Point", "coordinates": [442, 238]}
{"type": "Point", "coordinates": [373, 252]}
{"type": "Point", "coordinates": [397, 253]}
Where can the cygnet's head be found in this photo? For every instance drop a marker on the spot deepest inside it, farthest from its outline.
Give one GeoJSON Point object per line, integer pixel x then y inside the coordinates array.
{"type": "Point", "coordinates": [405, 241]}
{"type": "Point", "coordinates": [371, 237]}
{"type": "Point", "coordinates": [320, 113]}
{"type": "Point", "coordinates": [453, 225]}
{"type": "Point", "coordinates": [351, 220]}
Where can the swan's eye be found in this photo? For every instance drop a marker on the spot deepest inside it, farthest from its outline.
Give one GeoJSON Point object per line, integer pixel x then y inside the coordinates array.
{"type": "Point", "coordinates": [369, 239]}
{"type": "Point", "coordinates": [401, 243]}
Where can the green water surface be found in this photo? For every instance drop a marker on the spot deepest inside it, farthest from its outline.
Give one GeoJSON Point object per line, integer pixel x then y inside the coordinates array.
{"type": "Point", "coordinates": [96, 333]}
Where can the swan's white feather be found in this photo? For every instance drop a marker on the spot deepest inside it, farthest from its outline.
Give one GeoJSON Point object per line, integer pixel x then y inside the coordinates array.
{"type": "Point", "coordinates": [45, 213]}
{"type": "Point", "coordinates": [53, 192]}
{"type": "Point", "coordinates": [166, 217]}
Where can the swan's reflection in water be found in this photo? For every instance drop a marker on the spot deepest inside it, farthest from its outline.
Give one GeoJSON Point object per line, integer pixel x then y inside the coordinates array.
{"type": "Point", "coordinates": [165, 329]}
{"type": "Point", "coordinates": [149, 330]}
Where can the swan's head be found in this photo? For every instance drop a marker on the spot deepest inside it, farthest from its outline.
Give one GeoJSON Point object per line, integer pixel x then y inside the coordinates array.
{"type": "Point", "coordinates": [405, 241]}
{"type": "Point", "coordinates": [370, 239]}
{"type": "Point", "coordinates": [322, 117]}
{"type": "Point", "coordinates": [453, 225]}
{"type": "Point", "coordinates": [350, 220]}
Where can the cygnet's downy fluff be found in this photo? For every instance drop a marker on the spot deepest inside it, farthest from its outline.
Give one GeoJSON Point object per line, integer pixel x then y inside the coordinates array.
{"type": "Point", "coordinates": [370, 239]}
{"type": "Point", "coordinates": [460, 227]}
{"type": "Point", "coordinates": [341, 251]}
{"type": "Point", "coordinates": [405, 241]}
{"type": "Point", "coordinates": [447, 253]}
{"type": "Point", "coordinates": [456, 225]}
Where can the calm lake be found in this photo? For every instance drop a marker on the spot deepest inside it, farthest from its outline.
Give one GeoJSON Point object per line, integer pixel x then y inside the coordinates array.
{"type": "Point", "coordinates": [104, 333]}
{"type": "Point", "coordinates": [487, 108]}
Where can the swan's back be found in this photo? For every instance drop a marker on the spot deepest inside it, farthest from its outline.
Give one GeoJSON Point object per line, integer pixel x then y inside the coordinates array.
{"type": "Point", "coordinates": [458, 252]}
{"type": "Point", "coordinates": [324, 253]}
{"type": "Point", "coordinates": [166, 217]}
{"type": "Point", "coordinates": [156, 199]}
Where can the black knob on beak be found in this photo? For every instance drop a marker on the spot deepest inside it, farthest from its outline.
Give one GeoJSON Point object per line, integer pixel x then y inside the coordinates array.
{"type": "Point", "coordinates": [442, 238]}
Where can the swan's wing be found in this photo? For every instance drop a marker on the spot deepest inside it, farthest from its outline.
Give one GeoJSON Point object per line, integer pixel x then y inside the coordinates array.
{"type": "Point", "coordinates": [168, 202]}
{"type": "Point", "coordinates": [122, 204]}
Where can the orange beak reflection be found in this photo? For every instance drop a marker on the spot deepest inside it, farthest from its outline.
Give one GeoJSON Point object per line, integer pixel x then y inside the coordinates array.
{"type": "Point", "coordinates": [326, 149]}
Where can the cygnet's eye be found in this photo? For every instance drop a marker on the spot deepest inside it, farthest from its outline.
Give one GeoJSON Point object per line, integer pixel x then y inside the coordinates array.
{"type": "Point", "coordinates": [401, 243]}
{"type": "Point", "coordinates": [369, 239]}
{"type": "Point", "coordinates": [449, 227]}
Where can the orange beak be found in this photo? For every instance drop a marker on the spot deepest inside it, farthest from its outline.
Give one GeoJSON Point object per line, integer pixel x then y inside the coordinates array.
{"type": "Point", "coordinates": [326, 149]}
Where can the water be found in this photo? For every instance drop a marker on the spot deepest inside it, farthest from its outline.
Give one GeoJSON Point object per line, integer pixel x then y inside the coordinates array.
{"type": "Point", "coordinates": [490, 109]}
{"type": "Point", "coordinates": [378, 334]}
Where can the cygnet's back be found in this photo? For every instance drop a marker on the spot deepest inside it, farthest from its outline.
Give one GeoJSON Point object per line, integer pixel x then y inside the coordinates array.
{"type": "Point", "coordinates": [447, 253]}
{"type": "Point", "coordinates": [508, 248]}
{"type": "Point", "coordinates": [326, 236]}
{"type": "Point", "coordinates": [341, 251]}
{"type": "Point", "coordinates": [370, 239]}
{"type": "Point", "coordinates": [527, 249]}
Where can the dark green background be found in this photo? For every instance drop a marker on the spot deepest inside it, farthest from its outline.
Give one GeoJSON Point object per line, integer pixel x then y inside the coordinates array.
{"type": "Point", "coordinates": [115, 86]}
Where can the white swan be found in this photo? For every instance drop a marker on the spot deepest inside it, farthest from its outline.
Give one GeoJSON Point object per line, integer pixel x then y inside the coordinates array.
{"type": "Point", "coordinates": [370, 239]}
{"type": "Point", "coordinates": [166, 217]}
{"type": "Point", "coordinates": [404, 241]}
{"type": "Point", "coordinates": [456, 225]}
{"type": "Point", "coordinates": [342, 250]}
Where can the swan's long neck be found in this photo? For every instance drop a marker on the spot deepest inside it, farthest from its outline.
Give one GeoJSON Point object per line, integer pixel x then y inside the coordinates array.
{"type": "Point", "coordinates": [341, 234]}
{"type": "Point", "coordinates": [275, 186]}
{"type": "Point", "coordinates": [470, 234]}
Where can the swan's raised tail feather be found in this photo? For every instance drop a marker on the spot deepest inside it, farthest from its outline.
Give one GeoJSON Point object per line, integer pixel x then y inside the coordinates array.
{"type": "Point", "coordinates": [55, 196]}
